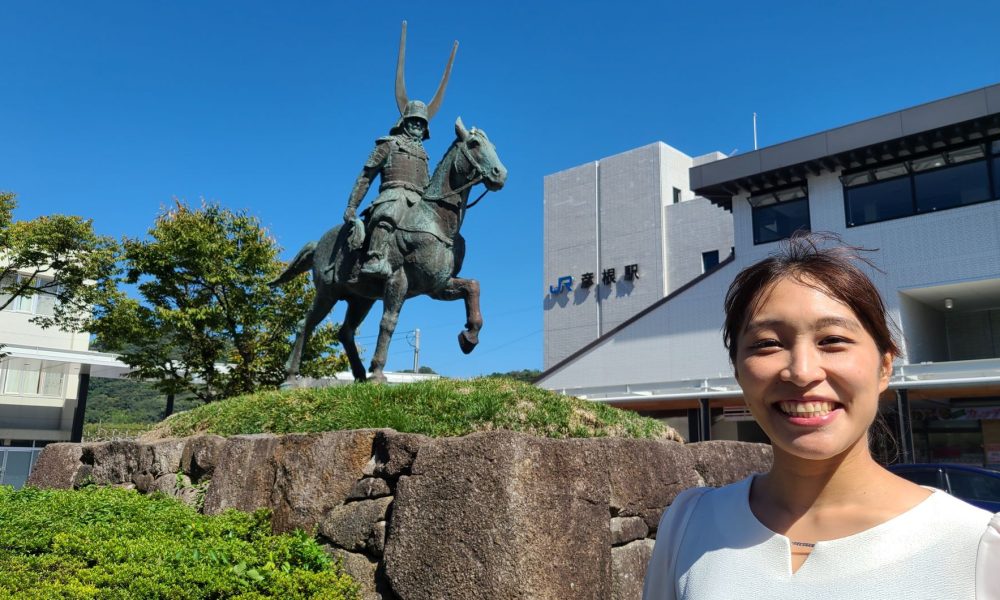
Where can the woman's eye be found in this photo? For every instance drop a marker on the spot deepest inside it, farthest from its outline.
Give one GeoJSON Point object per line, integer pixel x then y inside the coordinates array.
{"type": "Point", "coordinates": [759, 344]}
{"type": "Point", "coordinates": [833, 340]}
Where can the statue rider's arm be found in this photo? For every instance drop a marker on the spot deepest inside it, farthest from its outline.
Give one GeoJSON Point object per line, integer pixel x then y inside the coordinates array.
{"type": "Point", "coordinates": [371, 169]}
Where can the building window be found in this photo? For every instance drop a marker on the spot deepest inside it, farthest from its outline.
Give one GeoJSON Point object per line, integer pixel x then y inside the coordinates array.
{"type": "Point", "coordinates": [924, 184]}
{"type": "Point", "coordinates": [996, 169]}
{"type": "Point", "coordinates": [39, 303]}
{"type": "Point", "coordinates": [677, 195]}
{"type": "Point", "coordinates": [709, 260]}
{"type": "Point", "coordinates": [777, 215]}
{"type": "Point", "coordinates": [879, 201]}
{"type": "Point", "coordinates": [30, 377]}
{"type": "Point", "coordinates": [958, 185]}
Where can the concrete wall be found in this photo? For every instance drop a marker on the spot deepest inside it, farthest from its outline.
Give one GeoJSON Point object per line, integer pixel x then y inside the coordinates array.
{"type": "Point", "coordinates": [631, 232]}
{"type": "Point", "coordinates": [925, 330]}
{"type": "Point", "coordinates": [15, 328]}
{"type": "Point", "coordinates": [680, 339]}
{"type": "Point", "coordinates": [692, 228]}
{"type": "Point", "coordinates": [571, 249]}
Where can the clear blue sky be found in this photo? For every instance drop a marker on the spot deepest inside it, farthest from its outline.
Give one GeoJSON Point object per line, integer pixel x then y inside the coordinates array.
{"type": "Point", "coordinates": [111, 109]}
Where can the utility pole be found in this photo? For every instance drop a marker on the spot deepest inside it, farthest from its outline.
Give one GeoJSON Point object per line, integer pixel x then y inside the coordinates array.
{"type": "Point", "coordinates": [416, 350]}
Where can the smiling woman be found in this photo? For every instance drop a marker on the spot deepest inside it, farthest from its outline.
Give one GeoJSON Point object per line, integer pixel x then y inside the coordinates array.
{"type": "Point", "coordinates": [812, 349]}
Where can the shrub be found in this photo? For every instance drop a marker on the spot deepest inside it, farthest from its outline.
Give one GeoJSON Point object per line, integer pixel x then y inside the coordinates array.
{"type": "Point", "coordinates": [109, 543]}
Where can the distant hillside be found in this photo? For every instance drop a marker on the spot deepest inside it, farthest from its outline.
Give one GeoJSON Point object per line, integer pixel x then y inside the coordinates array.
{"type": "Point", "coordinates": [126, 401]}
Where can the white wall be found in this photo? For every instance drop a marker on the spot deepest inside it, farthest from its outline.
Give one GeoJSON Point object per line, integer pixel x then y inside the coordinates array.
{"type": "Point", "coordinates": [924, 328]}
{"type": "Point", "coordinates": [680, 339]}
{"type": "Point", "coordinates": [571, 249]}
{"type": "Point", "coordinates": [630, 233]}
{"type": "Point", "coordinates": [16, 328]}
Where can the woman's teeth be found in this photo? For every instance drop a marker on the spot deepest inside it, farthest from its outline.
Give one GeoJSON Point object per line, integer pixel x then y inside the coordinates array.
{"type": "Point", "coordinates": [807, 409]}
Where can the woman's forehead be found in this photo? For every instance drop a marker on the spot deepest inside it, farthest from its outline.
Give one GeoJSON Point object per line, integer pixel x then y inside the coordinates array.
{"type": "Point", "coordinates": [802, 296]}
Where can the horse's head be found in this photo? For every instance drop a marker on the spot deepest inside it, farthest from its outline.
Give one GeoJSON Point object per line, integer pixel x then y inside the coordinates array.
{"type": "Point", "coordinates": [481, 155]}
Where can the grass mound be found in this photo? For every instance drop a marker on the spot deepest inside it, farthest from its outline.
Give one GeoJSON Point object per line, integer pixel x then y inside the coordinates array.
{"type": "Point", "coordinates": [110, 543]}
{"type": "Point", "coordinates": [437, 408]}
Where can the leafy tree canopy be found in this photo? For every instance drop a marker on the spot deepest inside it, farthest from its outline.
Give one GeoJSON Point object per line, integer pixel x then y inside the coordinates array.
{"type": "Point", "coordinates": [205, 321]}
{"type": "Point", "coordinates": [57, 256]}
{"type": "Point", "coordinates": [525, 375]}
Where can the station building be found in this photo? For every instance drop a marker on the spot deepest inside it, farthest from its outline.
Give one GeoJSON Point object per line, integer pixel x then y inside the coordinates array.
{"type": "Point", "coordinates": [922, 185]}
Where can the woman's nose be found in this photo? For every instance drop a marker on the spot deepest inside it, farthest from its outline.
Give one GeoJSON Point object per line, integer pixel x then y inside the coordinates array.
{"type": "Point", "coordinates": [803, 366]}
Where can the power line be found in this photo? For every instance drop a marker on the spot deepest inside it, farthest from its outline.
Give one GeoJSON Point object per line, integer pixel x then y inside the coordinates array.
{"type": "Point", "coordinates": [514, 341]}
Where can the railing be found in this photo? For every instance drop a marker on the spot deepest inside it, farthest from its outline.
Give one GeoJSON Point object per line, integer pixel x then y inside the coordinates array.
{"type": "Point", "coordinates": [112, 432]}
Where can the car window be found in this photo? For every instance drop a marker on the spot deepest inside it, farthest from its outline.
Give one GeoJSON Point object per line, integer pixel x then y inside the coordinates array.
{"type": "Point", "coordinates": [927, 477]}
{"type": "Point", "coordinates": [974, 486]}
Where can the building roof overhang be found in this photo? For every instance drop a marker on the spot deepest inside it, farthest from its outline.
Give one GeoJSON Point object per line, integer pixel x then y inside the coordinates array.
{"type": "Point", "coordinates": [935, 125]}
{"type": "Point", "coordinates": [97, 364]}
{"type": "Point", "coordinates": [966, 378]}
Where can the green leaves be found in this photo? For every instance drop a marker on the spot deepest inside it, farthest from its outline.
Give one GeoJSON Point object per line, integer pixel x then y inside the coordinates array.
{"type": "Point", "coordinates": [112, 543]}
{"type": "Point", "coordinates": [206, 322]}
{"type": "Point", "coordinates": [56, 255]}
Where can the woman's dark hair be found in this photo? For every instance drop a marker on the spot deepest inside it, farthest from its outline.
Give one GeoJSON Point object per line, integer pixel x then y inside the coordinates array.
{"type": "Point", "coordinates": [818, 260]}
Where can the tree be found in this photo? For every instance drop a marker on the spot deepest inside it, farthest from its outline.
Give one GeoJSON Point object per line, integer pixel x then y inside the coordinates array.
{"type": "Point", "coordinates": [525, 375]}
{"type": "Point", "coordinates": [57, 257]}
{"type": "Point", "coordinates": [205, 321]}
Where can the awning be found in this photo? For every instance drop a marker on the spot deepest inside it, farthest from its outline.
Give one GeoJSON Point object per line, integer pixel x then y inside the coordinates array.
{"type": "Point", "coordinates": [98, 364]}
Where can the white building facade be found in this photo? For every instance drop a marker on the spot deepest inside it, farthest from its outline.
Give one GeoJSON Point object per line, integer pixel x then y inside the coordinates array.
{"type": "Point", "coordinates": [43, 383]}
{"type": "Point", "coordinates": [921, 185]}
{"type": "Point", "coordinates": [620, 234]}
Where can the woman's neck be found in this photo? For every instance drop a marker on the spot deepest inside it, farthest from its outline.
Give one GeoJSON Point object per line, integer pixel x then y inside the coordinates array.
{"type": "Point", "coordinates": [797, 485]}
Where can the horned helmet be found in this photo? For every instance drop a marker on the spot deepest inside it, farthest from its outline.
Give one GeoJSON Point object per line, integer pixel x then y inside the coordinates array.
{"type": "Point", "coordinates": [415, 109]}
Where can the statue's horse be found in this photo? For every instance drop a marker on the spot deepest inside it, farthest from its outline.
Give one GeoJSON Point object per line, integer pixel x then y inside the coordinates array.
{"type": "Point", "coordinates": [425, 258]}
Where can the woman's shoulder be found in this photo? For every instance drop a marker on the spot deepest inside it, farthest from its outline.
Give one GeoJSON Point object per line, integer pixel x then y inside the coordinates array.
{"type": "Point", "coordinates": [943, 510]}
{"type": "Point", "coordinates": [686, 501]}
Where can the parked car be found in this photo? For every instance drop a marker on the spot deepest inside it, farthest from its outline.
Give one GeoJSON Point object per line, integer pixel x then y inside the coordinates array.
{"type": "Point", "coordinates": [975, 485]}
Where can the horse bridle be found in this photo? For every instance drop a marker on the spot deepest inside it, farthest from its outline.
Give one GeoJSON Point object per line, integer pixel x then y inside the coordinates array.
{"type": "Point", "coordinates": [477, 176]}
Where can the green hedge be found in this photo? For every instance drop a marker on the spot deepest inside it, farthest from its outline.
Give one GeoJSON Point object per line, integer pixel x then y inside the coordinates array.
{"type": "Point", "coordinates": [117, 544]}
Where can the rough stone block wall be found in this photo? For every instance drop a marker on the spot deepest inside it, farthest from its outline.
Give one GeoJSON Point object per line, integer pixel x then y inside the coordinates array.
{"type": "Point", "coordinates": [496, 515]}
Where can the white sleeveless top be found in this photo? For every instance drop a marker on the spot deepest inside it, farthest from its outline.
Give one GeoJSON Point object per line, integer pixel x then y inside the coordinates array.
{"type": "Point", "coordinates": [710, 546]}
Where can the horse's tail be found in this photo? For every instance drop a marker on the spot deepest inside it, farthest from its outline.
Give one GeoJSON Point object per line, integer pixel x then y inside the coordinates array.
{"type": "Point", "coordinates": [302, 262]}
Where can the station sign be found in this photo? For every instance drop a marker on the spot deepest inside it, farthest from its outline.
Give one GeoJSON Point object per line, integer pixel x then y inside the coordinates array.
{"type": "Point", "coordinates": [608, 278]}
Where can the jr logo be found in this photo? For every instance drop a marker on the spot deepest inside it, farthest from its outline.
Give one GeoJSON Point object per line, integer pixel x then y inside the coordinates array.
{"type": "Point", "coordinates": [564, 284]}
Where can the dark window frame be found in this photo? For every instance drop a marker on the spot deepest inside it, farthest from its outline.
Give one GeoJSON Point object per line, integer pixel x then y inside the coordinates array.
{"type": "Point", "coordinates": [994, 166]}
{"type": "Point", "coordinates": [754, 211]}
{"type": "Point", "coordinates": [991, 157]}
{"type": "Point", "coordinates": [705, 267]}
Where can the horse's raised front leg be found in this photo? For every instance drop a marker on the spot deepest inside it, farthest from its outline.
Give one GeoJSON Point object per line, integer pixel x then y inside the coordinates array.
{"type": "Point", "coordinates": [357, 310]}
{"type": "Point", "coordinates": [320, 307]}
{"type": "Point", "coordinates": [468, 290]}
{"type": "Point", "coordinates": [392, 303]}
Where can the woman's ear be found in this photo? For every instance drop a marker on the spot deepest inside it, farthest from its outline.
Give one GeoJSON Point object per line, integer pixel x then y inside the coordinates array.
{"type": "Point", "coordinates": [885, 372]}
